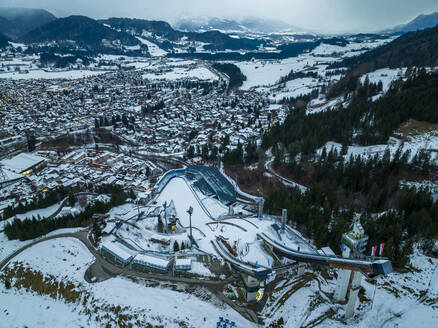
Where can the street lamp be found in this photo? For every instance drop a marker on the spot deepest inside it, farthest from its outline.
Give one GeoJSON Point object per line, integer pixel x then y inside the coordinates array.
{"type": "Point", "coordinates": [190, 212]}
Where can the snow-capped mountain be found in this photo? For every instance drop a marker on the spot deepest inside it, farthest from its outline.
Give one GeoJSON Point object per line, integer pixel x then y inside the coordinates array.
{"type": "Point", "coordinates": [247, 25]}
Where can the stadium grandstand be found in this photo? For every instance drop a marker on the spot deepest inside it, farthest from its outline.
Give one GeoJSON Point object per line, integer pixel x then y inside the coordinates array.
{"type": "Point", "coordinates": [207, 179]}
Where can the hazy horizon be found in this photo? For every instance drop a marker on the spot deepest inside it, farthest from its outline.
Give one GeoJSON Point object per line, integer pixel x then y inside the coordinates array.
{"type": "Point", "coordinates": [334, 16]}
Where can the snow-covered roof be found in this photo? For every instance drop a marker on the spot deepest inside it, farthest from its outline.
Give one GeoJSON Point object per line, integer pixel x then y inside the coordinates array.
{"type": "Point", "coordinates": [151, 260]}
{"type": "Point", "coordinates": [9, 176]}
{"type": "Point", "coordinates": [183, 262]}
{"type": "Point", "coordinates": [326, 251]}
{"type": "Point", "coordinates": [117, 249]}
{"type": "Point", "coordinates": [22, 162]}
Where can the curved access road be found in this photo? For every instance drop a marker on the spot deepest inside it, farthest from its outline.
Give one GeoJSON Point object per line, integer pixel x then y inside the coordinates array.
{"type": "Point", "coordinates": [268, 167]}
{"type": "Point", "coordinates": [81, 235]}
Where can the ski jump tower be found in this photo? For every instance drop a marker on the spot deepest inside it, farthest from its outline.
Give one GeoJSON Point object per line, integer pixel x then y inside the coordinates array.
{"type": "Point", "coordinates": [348, 283]}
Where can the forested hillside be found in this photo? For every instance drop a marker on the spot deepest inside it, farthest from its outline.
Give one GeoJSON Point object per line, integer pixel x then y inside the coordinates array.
{"type": "Point", "coordinates": [15, 22]}
{"type": "Point", "coordinates": [3, 41]}
{"type": "Point", "coordinates": [414, 49]}
{"type": "Point", "coordinates": [392, 214]}
{"type": "Point", "coordinates": [364, 122]}
{"type": "Point", "coordinates": [85, 31]}
{"type": "Point", "coordinates": [215, 40]}
{"type": "Point", "coordinates": [374, 186]}
{"type": "Point", "coordinates": [234, 73]}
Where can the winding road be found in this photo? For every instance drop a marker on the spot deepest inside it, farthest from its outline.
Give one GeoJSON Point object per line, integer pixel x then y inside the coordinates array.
{"type": "Point", "coordinates": [268, 167]}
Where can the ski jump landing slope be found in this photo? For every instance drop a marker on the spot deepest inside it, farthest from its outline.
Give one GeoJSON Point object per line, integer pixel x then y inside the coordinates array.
{"type": "Point", "coordinates": [183, 196]}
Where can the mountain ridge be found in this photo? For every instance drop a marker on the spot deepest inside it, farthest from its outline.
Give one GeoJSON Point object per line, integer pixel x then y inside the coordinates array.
{"type": "Point", "coordinates": [16, 22]}
{"type": "Point", "coordinates": [214, 40]}
{"type": "Point", "coordinates": [246, 25]}
{"type": "Point", "coordinates": [81, 29]}
{"type": "Point", "coordinates": [420, 22]}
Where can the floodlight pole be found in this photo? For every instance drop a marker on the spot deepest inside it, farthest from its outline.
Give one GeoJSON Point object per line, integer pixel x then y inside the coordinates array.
{"type": "Point", "coordinates": [190, 212]}
{"type": "Point", "coordinates": [165, 215]}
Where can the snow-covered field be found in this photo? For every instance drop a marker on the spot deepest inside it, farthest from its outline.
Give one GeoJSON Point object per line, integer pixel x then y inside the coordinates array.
{"type": "Point", "coordinates": [295, 88]}
{"type": "Point", "coordinates": [47, 257]}
{"type": "Point", "coordinates": [40, 74]}
{"type": "Point", "coordinates": [384, 75]}
{"type": "Point", "coordinates": [154, 50]}
{"type": "Point", "coordinates": [199, 73]}
{"type": "Point", "coordinates": [265, 73]}
{"type": "Point", "coordinates": [268, 72]}
{"type": "Point", "coordinates": [66, 260]}
{"type": "Point", "coordinates": [427, 141]}
{"type": "Point", "coordinates": [7, 247]}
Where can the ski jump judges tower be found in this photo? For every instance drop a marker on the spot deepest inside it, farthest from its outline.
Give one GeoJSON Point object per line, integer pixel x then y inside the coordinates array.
{"type": "Point", "coordinates": [348, 283]}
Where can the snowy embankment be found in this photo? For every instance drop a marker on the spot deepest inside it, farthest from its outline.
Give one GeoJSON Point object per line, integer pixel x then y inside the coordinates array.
{"type": "Point", "coordinates": [7, 247]}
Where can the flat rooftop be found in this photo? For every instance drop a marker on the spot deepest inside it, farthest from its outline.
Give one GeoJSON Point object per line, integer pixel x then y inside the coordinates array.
{"type": "Point", "coordinates": [22, 162]}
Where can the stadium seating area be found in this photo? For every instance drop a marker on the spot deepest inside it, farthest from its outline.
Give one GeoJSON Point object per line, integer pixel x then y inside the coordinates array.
{"type": "Point", "coordinates": [224, 190]}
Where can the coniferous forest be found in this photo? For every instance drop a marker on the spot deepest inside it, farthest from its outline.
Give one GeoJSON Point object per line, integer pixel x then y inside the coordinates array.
{"type": "Point", "coordinates": [363, 122]}
{"type": "Point", "coordinates": [36, 227]}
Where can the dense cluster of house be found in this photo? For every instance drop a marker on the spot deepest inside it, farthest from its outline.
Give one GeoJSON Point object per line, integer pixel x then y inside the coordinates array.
{"type": "Point", "coordinates": [148, 110]}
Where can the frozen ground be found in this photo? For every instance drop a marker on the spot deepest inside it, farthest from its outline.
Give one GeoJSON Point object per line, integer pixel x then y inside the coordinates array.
{"type": "Point", "coordinates": [21, 309]}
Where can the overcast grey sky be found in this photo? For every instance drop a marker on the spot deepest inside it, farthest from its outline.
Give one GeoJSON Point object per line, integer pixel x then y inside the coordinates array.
{"type": "Point", "coordinates": [330, 16]}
